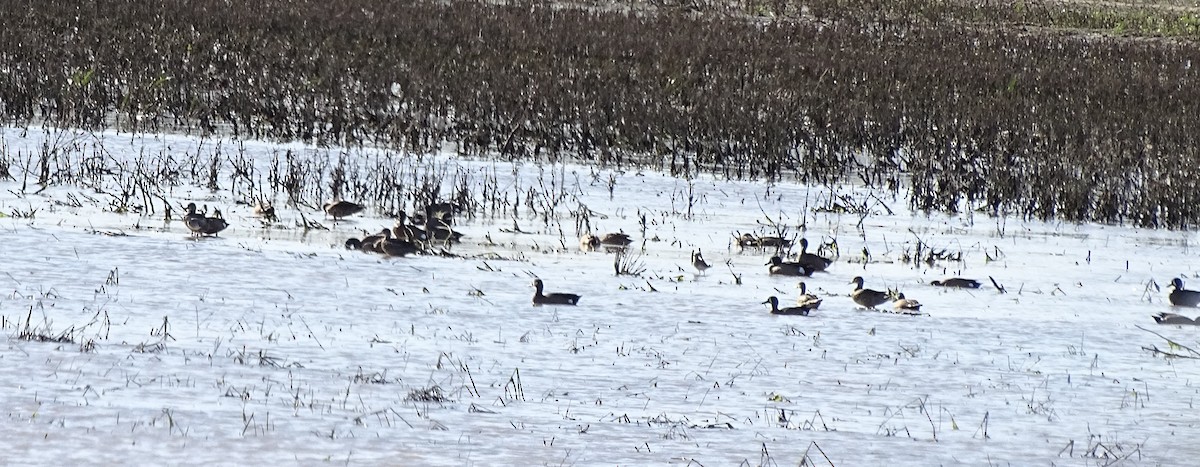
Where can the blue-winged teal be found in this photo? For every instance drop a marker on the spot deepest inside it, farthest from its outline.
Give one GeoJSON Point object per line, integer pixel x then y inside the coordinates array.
{"type": "Point", "coordinates": [340, 209]}
{"type": "Point", "coordinates": [791, 310]}
{"type": "Point", "coordinates": [552, 299]}
{"type": "Point", "coordinates": [200, 225]}
{"type": "Point", "coordinates": [811, 261]}
{"type": "Point", "coordinates": [805, 299]}
{"type": "Point", "coordinates": [1181, 296]}
{"type": "Point", "coordinates": [781, 268]}
{"type": "Point", "coordinates": [903, 305]}
{"type": "Point", "coordinates": [957, 282]}
{"type": "Point", "coordinates": [699, 263]}
{"type": "Point", "coordinates": [748, 240]}
{"type": "Point", "coordinates": [1172, 318]}
{"type": "Point", "coordinates": [867, 297]}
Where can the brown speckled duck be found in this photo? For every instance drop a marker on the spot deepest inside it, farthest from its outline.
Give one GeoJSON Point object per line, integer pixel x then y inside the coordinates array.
{"type": "Point", "coordinates": [341, 209]}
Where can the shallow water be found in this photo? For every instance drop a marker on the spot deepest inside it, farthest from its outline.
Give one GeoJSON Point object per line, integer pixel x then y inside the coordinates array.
{"type": "Point", "coordinates": [284, 346]}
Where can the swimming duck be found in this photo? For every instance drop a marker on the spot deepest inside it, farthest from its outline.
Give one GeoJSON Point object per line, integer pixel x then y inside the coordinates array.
{"type": "Point", "coordinates": [1172, 318]}
{"type": "Point", "coordinates": [699, 263]}
{"type": "Point", "coordinates": [200, 225]}
{"type": "Point", "coordinates": [781, 268]}
{"type": "Point", "coordinates": [554, 298]}
{"type": "Point", "coordinates": [867, 297]}
{"type": "Point", "coordinates": [749, 240]}
{"type": "Point", "coordinates": [903, 305]}
{"type": "Point", "coordinates": [811, 261]}
{"type": "Point", "coordinates": [805, 299]}
{"type": "Point", "coordinates": [1181, 296]}
{"type": "Point", "coordinates": [338, 209]}
{"type": "Point", "coordinates": [791, 310]}
{"type": "Point", "coordinates": [957, 282]}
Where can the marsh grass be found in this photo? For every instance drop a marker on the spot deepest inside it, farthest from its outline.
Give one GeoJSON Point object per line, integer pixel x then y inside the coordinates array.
{"type": "Point", "coordinates": [1007, 108]}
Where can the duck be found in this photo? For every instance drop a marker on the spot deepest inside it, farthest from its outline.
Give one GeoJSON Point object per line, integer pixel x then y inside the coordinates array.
{"type": "Point", "coordinates": [866, 297]}
{"type": "Point", "coordinates": [812, 261]}
{"type": "Point", "coordinates": [805, 299]}
{"type": "Point", "coordinates": [791, 310]}
{"type": "Point", "coordinates": [342, 209]}
{"type": "Point", "coordinates": [749, 240]}
{"type": "Point", "coordinates": [957, 282]}
{"type": "Point", "coordinates": [395, 247]}
{"type": "Point", "coordinates": [1172, 318]}
{"type": "Point", "coordinates": [552, 299]}
{"type": "Point", "coordinates": [368, 244]}
{"type": "Point", "coordinates": [589, 242]}
{"type": "Point", "coordinates": [699, 263]}
{"type": "Point", "coordinates": [617, 239]}
{"type": "Point", "coordinates": [201, 225]}
{"type": "Point", "coordinates": [1181, 296]}
{"type": "Point", "coordinates": [402, 230]}
{"type": "Point", "coordinates": [781, 268]}
{"type": "Point", "coordinates": [438, 229]}
{"type": "Point", "coordinates": [905, 305]}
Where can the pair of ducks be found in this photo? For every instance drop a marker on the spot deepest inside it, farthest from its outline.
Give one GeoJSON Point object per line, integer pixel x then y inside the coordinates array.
{"type": "Point", "coordinates": [1180, 297]}
{"type": "Point", "coordinates": [805, 303]}
{"type": "Point", "coordinates": [201, 225]}
{"type": "Point", "coordinates": [748, 240]}
{"type": "Point", "coordinates": [384, 243]}
{"type": "Point", "coordinates": [805, 265]}
{"type": "Point", "coordinates": [872, 298]}
{"type": "Point", "coordinates": [589, 242]}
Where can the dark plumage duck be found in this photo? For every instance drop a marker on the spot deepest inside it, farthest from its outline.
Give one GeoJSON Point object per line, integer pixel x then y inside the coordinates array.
{"type": "Point", "coordinates": [552, 299]}
{"type": "Point", "coordinates": [811, 261]}
{"type": "Point", "coordinates": [791, 310]}
{"type": "Point", "coordinates": [958, 282]}
{"type": "Point", "coordinates": [200, 225]}
{"type": "Point", "coordinates": [867, 297]}
{"type": "Point", "coordinates": [341, 209]}
{"type": "Point", "coordinates": [368, 244]}
{"type": "Point", "coordinates": [805, 299]}
{"type": "Point", "coordinates": [617, 239]}
{"type": "Point", "coordinates": [1172, 318]}
{"type": "Point", "coordinates": [1181, 296]}
{"type": "Point", "coordinates": [781, 268]}
{"type": "Point", "coordinates": [905, 305]}
{"type": "Point", "coordinates": [395, 247]}
{"type": "Point", "coordinates": [699, 263]}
